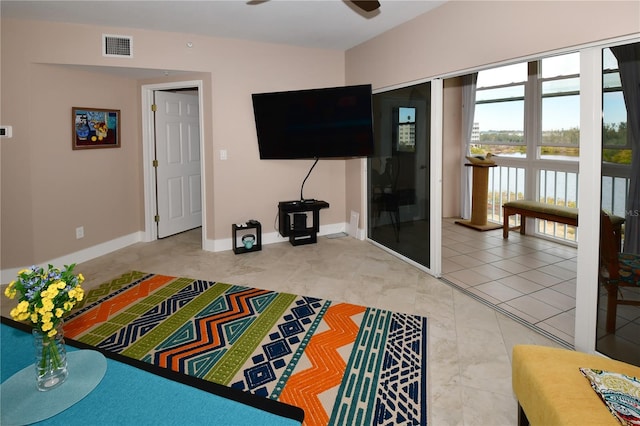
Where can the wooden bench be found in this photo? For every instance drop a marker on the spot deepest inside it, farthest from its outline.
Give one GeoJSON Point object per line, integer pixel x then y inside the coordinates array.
{"type": "Point", "coordinates": [536, 209]}
{"type": "Point", "coordinates": [560, 214]}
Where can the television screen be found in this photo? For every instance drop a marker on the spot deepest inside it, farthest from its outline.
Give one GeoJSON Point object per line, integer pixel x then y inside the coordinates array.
{"type": "Point", "coordinates": [315, 123]}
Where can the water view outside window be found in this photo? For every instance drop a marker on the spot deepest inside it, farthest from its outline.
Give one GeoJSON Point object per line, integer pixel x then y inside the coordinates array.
{"type": "Point", "coordinates": [500, 111]}
{"type": "Point", "coordinates": [529, 115]}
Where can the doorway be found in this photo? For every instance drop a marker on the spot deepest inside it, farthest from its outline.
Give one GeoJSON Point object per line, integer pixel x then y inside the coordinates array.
{"type": "Point", "coordinates": [172, 159]}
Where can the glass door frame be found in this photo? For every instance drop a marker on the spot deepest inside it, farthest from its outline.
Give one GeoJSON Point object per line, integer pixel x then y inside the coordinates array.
{"type": "Point", "coordinates": [590, 182]}
{"type": "Point", "coordinates": [435, 181]}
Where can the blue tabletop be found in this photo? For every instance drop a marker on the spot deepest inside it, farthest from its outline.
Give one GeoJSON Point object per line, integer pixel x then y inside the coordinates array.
{"type": "Point", "coordinates": [129, 395]}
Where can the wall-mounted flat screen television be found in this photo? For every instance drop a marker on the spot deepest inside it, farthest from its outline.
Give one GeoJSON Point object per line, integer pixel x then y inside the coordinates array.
{"type": "Point", "coordinates": [315, 123]}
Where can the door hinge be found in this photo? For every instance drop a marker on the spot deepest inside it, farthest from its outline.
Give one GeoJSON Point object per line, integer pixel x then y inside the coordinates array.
{"type": "Point", "coordinates": [157, 218]}
{"type": "Point", "coordinates": [155, 163]}
{"type": "Point", "coordinates": [154, 107]}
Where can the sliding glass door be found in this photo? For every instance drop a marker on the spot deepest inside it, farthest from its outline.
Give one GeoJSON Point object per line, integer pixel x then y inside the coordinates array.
{"type": "Point", "coordinates": [619, 292]}
{"type": "Point", "coordinates": [399, 172]}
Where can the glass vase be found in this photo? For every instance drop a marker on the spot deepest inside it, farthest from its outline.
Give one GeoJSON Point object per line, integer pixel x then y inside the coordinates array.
{"type": "Point", "coordinates": [51, 359]}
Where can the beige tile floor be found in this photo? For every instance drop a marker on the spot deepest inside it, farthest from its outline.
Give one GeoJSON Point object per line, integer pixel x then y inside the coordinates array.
{"type": "Point", "coordinates": [531, 278]}
{"type": "Point", "coordinates": [534, 281]}
{"type": "Point", "coordinates": [469, 343]}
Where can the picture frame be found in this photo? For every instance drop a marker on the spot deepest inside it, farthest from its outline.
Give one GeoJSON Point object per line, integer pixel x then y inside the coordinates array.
{"type": "Point", "coordinates": [95, 128]}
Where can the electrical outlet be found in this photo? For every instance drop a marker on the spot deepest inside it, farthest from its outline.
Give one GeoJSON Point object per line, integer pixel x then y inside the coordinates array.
{"type": "Point", "coordinates": [79, 232]}
{"type": "Point", "coordinates": [6, 132]}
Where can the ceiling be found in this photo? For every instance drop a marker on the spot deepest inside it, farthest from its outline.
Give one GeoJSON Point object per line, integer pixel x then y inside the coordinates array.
{"type": "Point", "coordinates": [327, 24]}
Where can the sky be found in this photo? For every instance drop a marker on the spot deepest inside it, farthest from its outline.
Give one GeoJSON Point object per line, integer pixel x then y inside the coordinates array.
{"type": "Point", "coordinates": [559, 112]}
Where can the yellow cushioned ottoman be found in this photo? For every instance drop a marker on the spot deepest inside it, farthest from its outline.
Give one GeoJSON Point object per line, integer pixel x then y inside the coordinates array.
{"type": "Point", "coordinates": [551, 390]}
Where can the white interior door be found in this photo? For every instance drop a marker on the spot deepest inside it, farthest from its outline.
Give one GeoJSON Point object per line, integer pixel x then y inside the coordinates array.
{"type": "Point", "coordinates": [179, 201]}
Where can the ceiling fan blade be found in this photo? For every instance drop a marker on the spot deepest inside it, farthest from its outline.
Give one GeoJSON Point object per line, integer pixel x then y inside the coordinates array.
{"type": "Point", "coordinates": [367, 5]}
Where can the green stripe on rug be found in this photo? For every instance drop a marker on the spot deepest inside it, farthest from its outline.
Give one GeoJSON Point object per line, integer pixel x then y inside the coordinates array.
{"type": "Point", "coordinates": [132, 312]}
{"type": "Point", "coordinates": [225, 369]}
{"type": "Point", "coordinates": [356, 395]}
{"type": "Point", "coordinates": [106, 288]}
{"type": "Point", "coordinates": [160, 333]}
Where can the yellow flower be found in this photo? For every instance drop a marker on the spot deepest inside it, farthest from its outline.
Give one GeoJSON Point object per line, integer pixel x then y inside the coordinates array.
{"type": "Point", "coordinates": [47, 317]}
{"type": "Point", "coordinates": [52, 333]}
{"type": "Point", "coordinates": [51, 291]}
{"type": "Point", "coordinates": [34, 317]}
{"type": "Point", "coordinates": [22, 306]}
{"type": "Point", "coordinates": [59, 312]}
{"type": "Point", "coordinates": [24, 271]}
{"type": "Point", "coordinates": [80, 295]}
{"type": "Point", "coordinates": [68, 305]}
{"type": "Point", "coordinates": [23, 316]}
{"type": "Point", "coordinates": [10, 291]}
{"type": "Point", "coordinates": [47, 326]}
{"type": "Point", "coordinates": [14, 313]}
{"type": "Point", "coordinates": [80, 278]}
{"type": "Point", "coordinates": [60, 285]}
{"type": "Point", "coordinates": [47, 304]}
{"type": "Point", "coordinates": [72, 292]}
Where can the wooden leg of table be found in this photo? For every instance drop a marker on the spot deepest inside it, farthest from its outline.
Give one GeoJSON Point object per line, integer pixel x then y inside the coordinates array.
{"type": "Point", "coordinates": [523, 221]}
{"type": "Point", "coordinates": [505, 225]}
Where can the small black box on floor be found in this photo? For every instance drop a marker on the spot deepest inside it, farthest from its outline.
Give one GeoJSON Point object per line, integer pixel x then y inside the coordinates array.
{"type": "Point", "coordinates": [299, 221]}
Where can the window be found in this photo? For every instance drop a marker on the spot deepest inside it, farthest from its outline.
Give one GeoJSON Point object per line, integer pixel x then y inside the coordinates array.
{"type": "Point", "coordinates": [499, 113]}
{"type": "Point", "coordinates": [406, 129]}
{"type": "Point", "coordinates": [529, 115]}
{"type": "Point", "coordinates": [530, 110]}
{"type": "Point", "coordinates": [614, 136]}
{"type": "Point", "coordinates": [560, 107]}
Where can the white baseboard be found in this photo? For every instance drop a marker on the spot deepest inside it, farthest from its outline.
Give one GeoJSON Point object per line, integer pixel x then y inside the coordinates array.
{"type": "Point", "coordinates": [8, 275]}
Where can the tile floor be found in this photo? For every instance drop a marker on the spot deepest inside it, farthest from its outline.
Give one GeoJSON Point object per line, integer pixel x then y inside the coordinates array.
{"type": "Point", "coordinates": [469, 343]}
{"type": "Point", "coordinates": [534, 281]}
{"type": "Point", "coordinates": [531, 278]}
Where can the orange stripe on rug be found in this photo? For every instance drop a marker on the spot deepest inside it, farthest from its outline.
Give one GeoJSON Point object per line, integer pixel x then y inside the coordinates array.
{"type": "Point", "coordinates": [105, 309]}
{"type": "Point", "coordinates": [210, 328]}
{"type": "Point", "coordinates": [328, 366]}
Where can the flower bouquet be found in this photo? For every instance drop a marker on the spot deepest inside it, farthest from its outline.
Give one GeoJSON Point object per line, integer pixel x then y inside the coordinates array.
{"type": "Point", "coordinates": [45, 296]}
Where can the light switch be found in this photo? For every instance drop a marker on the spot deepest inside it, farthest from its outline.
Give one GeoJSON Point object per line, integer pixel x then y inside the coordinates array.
{"type": "Point", "coordinates": [223, 154]}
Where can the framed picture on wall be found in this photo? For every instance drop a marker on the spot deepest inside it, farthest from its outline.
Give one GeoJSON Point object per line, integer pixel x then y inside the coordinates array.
{"type": "Point", "coordinates": [95, 128]}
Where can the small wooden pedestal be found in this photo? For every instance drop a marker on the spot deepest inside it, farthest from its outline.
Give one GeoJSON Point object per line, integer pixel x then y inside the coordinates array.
{"type": "Point", "coordinates": [479, 195]}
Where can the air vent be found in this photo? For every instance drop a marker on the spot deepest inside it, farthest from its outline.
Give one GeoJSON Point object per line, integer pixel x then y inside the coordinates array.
{"type": "Point", "coordinates": [117, 46]}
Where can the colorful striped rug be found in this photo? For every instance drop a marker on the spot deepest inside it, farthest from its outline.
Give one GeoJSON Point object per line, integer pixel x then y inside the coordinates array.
{"type": "Point", "coordinates": [341, 363]}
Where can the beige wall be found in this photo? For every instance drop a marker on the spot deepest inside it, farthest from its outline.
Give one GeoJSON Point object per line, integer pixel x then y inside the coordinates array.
{"type": "Point", "coordinates": [452, 146]}
{"type": "Point", "coordinates": [460, 35]}
{"type": "Point", "coordinates": [48, 190]}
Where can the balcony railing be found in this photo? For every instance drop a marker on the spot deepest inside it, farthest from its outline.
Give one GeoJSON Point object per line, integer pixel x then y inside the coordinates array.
{"type": "Point", "coordinates": [559, 187]}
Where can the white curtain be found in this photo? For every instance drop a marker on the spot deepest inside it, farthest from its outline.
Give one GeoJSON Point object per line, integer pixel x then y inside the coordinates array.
{"type": "Point", "coordinates": [468, 110]}
{"type": "Point", "coordinates": [628, 57]}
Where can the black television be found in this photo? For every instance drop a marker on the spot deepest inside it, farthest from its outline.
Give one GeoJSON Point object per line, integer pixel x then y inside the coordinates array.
{"type": "Point", "coordinates": [315, 123]}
